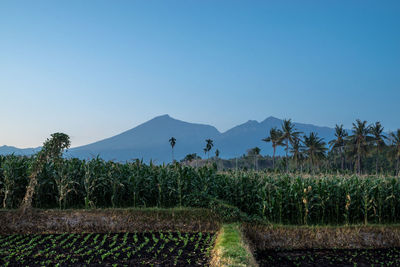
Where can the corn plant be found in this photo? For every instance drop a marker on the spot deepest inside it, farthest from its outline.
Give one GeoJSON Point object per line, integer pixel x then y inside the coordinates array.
{"type": "Point", "coordinates": [14, 173]}
{"type": "Point", "coordinates": [277, 198]}
{"type": "Point", "coordinates": [95, 182]}
{"type": "Point", "coordinates": [65, 181]}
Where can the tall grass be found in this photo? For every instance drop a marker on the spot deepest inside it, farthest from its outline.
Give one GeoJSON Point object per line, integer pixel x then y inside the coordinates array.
{"type": "Point", "coordinates": [286, 199]}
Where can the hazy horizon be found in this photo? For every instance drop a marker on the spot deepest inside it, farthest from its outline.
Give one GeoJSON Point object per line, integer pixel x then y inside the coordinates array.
{"type": "Point", "coordinates": [94, 69]}
{"type": "Point", "coordinates": [259, 121]}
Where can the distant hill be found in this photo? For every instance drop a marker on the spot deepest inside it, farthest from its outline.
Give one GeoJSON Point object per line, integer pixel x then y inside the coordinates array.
{"type": "Point", "coordinates": [237, 140]}
{"type": "Point", "coordinates": [150, 140]}
{"type": "Point", "coordinates": [6, 150]}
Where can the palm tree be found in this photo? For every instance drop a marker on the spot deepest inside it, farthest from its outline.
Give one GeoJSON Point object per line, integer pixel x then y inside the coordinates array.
{"type": "Point", "coordinates": [217, 153]}
{"type": "Point", "coordinates": [209, 145]}
{"type": "Point", "coordinates": [255, 152]}
{"type": "Point", "coordinates": [289, 134]}
{"type": "Point", "coordinates": [296, 151]}
{"type": "Point", "coordinates": [172, 141]}
{"type": "Point", "coordinates": [396, 142]}
{"type": "Point", "coordinates": [216, 157]}
{"type": "Point", "coordinates": [377, 133]}
{"type": "Point", "coordinates": [359, 141]}
{"type": "Point", "coordinates": [339, 142]}
{"type": "Point", "coordinates": [275, 137]}
{"type": "Point", "coordinates": [315, 148]}
{"type": "Point", "coordinates": [190, 157]}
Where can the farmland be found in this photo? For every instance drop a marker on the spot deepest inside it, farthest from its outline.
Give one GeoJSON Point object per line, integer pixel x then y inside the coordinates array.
{"type": "Point", "coordinates": [330, 257]}
{"type": "Point", "coordinates": [146, 248]}
{"type": "Point", "coordinates": [276, 198]}
{"type": "Point", "coordinates": [138, 214]}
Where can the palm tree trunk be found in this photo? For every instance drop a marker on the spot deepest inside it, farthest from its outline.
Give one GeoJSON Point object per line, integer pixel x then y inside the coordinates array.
{"type": "Point", "coordinates": [358, 163]}
{"type": "Point", "coordinates": [312, 163]}
{"type": "Point", "coordinates": [342, 167]}
{"type": "Point", "coordinates": [273, 158]}
{"type": "Point", "coordinates": [397, 166]}
{"type": "Point", "coordinates": [342, 156]}
{"type": "Point", "coordinates": [287, 158]}
{"type": "Point", "coordinates": [377, 159]}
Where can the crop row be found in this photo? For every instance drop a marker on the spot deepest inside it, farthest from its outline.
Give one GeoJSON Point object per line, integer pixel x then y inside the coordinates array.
{"type": "Point", "coordinates": [287, 199]}
{"type": "Point", "coordinates": [148, 248]}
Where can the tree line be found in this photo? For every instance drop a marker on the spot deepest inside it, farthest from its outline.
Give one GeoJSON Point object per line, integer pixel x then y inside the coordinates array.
{"type": "Point", "coordinates": [365, 141]}
{"type": "Point", "coordinates": [365, 149]}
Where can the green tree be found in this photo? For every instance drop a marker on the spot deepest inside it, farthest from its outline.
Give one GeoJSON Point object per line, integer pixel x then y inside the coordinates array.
{"type": "Point", "coordinates": [51, 152]}
{"type": "Point", "coordinates": [297, 151]}
{"type": "Point", "coordinates": [205, 151]}
{"type": "Point", "coordinates": [379, 140]}
{"type": "Point", "coordinates": [396, 143]}
{"type": "Point", "coordinates": [255, 152]}
{"type": "Point", "coordinates": [339, 143]}
{"type": "Point", "coordinates": [217, 153]}
{"type": "Point", "coordinates": [172, 142]}
{"type": "Point", "coordinates": [314, 148]}
{"type": "Point", "coordinates": [289, 134]}
{"type": "Point", "coordinates": [359, 141]}
{"type": "Point", "coordinates": [189, 157]}
{"type": "Point", "coordinates": [209, 145]}
{"type": "Point", "coordinates": [275, 137]}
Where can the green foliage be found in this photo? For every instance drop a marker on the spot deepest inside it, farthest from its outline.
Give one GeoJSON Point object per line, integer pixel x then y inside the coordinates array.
{"type": "Point", "coordinates": [234, 195]}
{"type": "Point", "coordinates": [51, 153]}
{"type": "Point", "coordinates": [113, 249]}
{"type": "Point", "coordinates": [231, 249]}
{"type": "Point", "coordinates": [13, 180]}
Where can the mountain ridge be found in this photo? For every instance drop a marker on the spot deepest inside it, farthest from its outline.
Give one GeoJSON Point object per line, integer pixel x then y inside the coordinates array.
{"type": "Point", "coordinates": [149, 140]}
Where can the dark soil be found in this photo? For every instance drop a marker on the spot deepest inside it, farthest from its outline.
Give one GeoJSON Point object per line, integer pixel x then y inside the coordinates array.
{"type": "Point", "coordinates": [329, 257]}
{"type": "Point", "coordinates": [118, 249]}
{"type": "Point", "coordinates": [108, 221]}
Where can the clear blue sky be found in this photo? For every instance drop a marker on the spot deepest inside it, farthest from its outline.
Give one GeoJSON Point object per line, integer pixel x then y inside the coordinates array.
{"type": "Point", "coordinates": [92, 69]}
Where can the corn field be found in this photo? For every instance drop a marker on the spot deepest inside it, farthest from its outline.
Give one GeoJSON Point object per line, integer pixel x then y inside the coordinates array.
{"type": "Point", "coordinates": [277, 198]}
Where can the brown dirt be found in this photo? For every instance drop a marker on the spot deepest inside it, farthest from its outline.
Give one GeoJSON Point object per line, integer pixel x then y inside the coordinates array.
{"type": "Point", "coordinates": [107, 220]}
{"type": "Point", "coordinates": [323, 237]}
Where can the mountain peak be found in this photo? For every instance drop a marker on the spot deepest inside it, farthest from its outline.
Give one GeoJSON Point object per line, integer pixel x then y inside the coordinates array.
{"type": "Point", "coordinates": [165, 116]}
{"type": "Point", "coordinates": [251, 122]}
{"type": "Point", "coordinates": [162, 118]}
{"type": "Point", "coordinates": [149, 140]}
{"type": "Point", "coordinates": [272, 120]}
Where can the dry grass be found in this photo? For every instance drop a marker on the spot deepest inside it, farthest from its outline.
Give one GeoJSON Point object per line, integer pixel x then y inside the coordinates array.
{"type": "Point", "coordinates": [108, 220]}
{"type": "Point", "coordinates": [305, 237]}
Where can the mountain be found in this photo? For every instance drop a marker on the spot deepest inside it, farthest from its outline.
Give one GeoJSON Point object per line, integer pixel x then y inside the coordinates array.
{"type": "Point", "coordinates": [237, 140]}
{"type": "Point", "coordinates": [149, 141]}
{"type": "Point", "coordinates": [6, 150]}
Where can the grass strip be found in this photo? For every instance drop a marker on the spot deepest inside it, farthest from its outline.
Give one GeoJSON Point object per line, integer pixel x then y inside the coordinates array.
{"type": "Point", "coordinates": [231, 249]}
